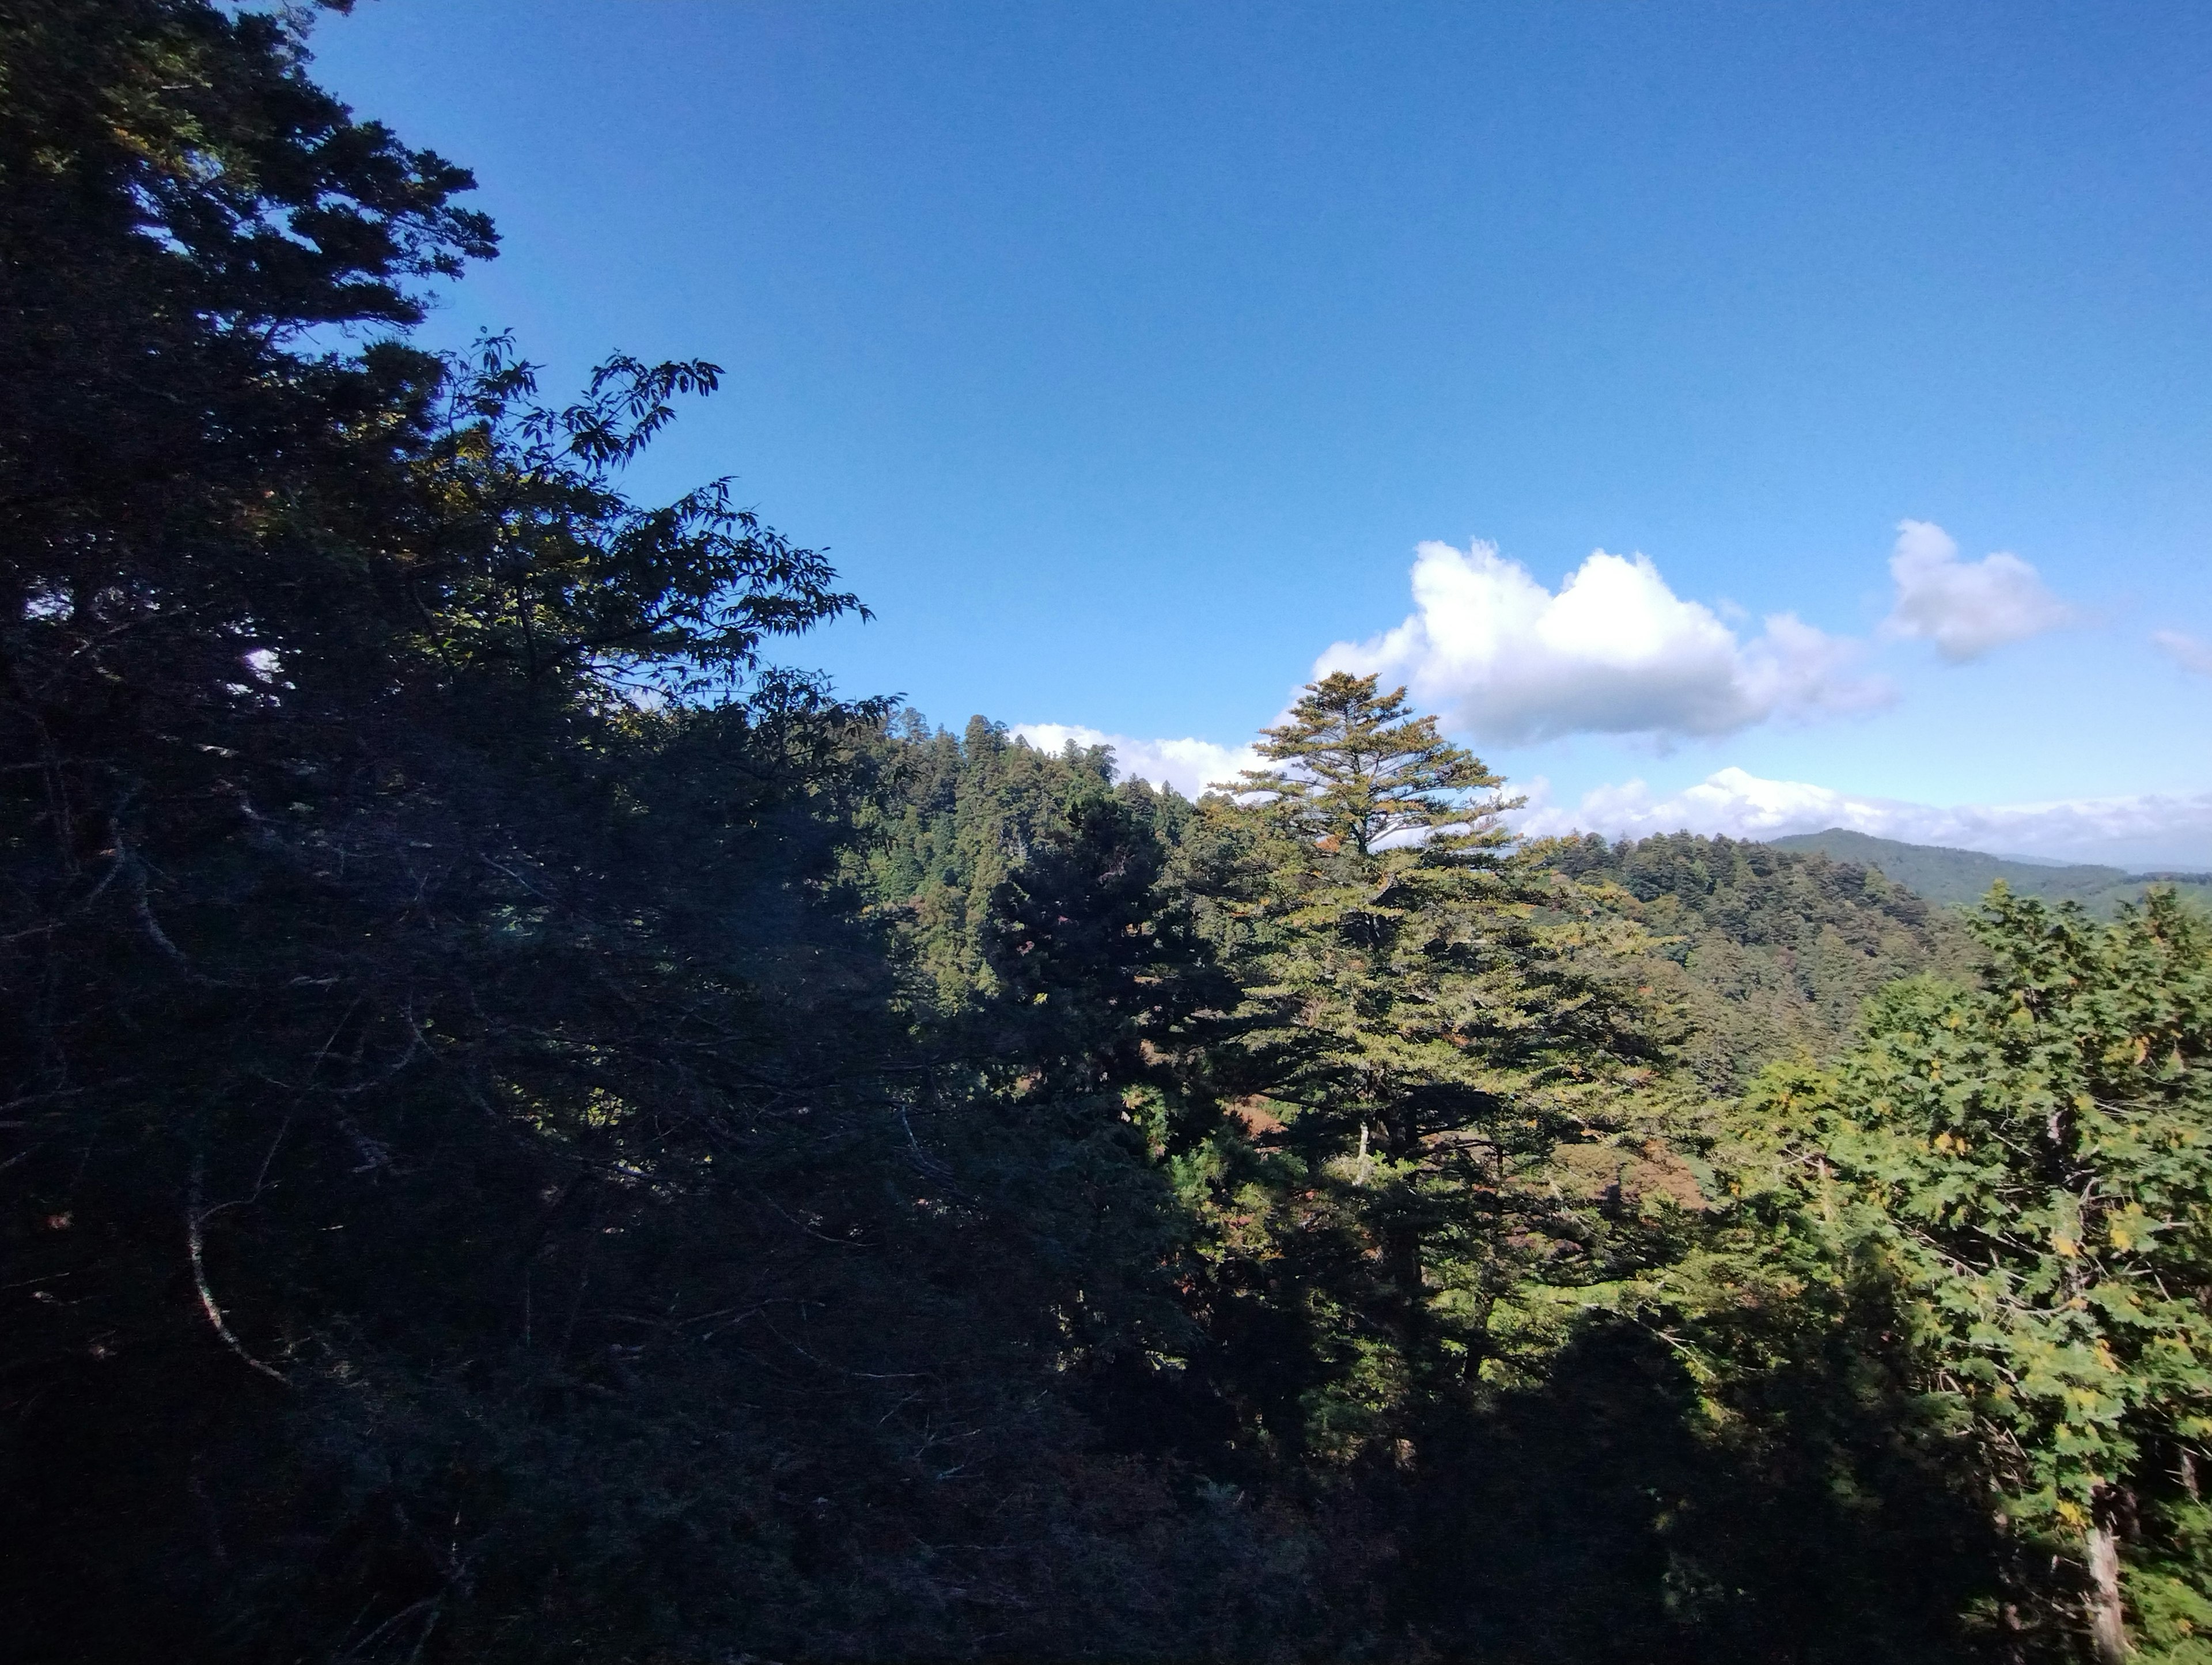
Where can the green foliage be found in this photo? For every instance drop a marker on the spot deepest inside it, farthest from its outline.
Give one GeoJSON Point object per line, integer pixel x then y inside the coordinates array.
{"type": "Point", "coordinates": [1770, 953]}
{"type": "Point", "coordinates": [1363, 772]}
{"type": "Point", "coordinates": [2030, 1163]}
{"type": "Point", "coordinates": [534, 565]}
{"type": "Point", "coordinates": [1428, 1016]}
{"type": "Point", "coordinates": [955, 816]}
{"type": "Point", "coordinates": [471, 1192]}
{"type": "Point", "coordinates": [1621, 1507]}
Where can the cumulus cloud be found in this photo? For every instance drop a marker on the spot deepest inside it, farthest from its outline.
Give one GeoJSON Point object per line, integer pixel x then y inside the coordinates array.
{"type": "Point", "coordinates": [1964, 607]}
{"type": "Point", "coordinates": [1190, 766]}
{"type": "Point", "coordinates": [2146, 830]}
{"type": "Point", "coordinates": [1615, 651]}
{"type": "Point", "coordinates": [2187, 652]}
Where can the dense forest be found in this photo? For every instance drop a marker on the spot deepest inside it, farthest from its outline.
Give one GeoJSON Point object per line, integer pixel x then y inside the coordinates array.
{"type": "Point", "coordinates": [533, 1128]}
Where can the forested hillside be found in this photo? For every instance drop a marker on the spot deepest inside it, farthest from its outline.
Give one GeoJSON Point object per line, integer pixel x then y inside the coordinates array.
{"type": "Point", "coordinates": [1771, 953]}
{"type": "Point", "coordinates": [533, 1129]}
{"type": "Point", "coordinates": [1963, 876]}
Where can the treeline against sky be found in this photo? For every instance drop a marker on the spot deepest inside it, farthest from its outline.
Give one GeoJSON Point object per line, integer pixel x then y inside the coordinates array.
{"type": "Point", "coordinates": [532, 1130]}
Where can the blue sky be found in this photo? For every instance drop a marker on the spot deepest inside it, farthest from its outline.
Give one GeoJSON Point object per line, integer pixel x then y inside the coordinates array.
{"type": "Point", "coordinates": [1124, 355]}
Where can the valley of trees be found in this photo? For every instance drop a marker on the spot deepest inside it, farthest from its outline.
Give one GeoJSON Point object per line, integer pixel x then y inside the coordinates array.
{"type": "Point", "coordinates": [531, 1129]}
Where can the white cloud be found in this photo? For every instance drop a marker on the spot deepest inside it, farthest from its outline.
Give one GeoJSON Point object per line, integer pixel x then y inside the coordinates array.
{"type": "Point", "coordinates": [1731, 802]}
{"type": "Point", "coordinates": [2187, 652]}
{"type": "Point", "coordinates": [1190, 766]}
{"type": "Point", "coordinates": [1966, 608]}
{"type": "Point", "coordinates": [2147, 830]}
{"type": "Point", "coordinates": [1615, 651]}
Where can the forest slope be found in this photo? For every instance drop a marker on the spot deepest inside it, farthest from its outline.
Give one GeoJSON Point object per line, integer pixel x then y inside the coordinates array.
{"type": "Point", "coordinates": [1961, 878]}
{"type": "Point", "coordinates": [1771, 952]}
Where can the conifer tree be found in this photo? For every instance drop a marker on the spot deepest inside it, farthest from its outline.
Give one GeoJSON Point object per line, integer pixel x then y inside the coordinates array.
{"type": "Point", "coordinates": [1428, 1013]}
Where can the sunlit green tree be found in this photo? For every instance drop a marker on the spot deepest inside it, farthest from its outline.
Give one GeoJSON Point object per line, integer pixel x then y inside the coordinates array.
{"type": "Point", "coordinates": [1430, 1014]}
{"type": "Point", "coordinates": [2029, 1165]}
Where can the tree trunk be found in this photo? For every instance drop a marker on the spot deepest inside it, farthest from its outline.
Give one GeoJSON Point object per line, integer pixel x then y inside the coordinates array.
{"type": "Point", "coordinates": [2108, 1624]}
{"type": "Point", "coordinates": [1402, 1239]}
{"type": "Point", "coordinates": [1401, 1256]}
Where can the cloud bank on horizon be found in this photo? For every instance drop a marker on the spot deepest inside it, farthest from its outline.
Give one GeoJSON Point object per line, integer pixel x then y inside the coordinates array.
{"type": "Point", "coordinates": [2149, 830]}
{"type": "Point", "coordinates": [1615, 651]}
{"type": "Point", "coordinates": [2145, 831]}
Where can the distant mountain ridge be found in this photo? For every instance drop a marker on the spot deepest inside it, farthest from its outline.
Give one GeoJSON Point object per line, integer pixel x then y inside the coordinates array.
{"type": "Point", "coordinates": [1949, 876]}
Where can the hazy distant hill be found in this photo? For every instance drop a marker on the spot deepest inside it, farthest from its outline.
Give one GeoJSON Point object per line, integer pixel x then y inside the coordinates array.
{"type": "Point", "coordinates": [1962, 876]}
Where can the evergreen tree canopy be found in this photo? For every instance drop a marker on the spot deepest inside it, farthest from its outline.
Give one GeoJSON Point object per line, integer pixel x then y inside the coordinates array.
{"type": "Point", "coordinates": [1429, 1013]}
{"type": "Point", "coordinates": [1362, 771]}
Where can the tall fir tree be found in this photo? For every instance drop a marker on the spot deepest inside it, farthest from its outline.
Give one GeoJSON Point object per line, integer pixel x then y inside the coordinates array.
{"type": "Point", "coordinates": [1429, 1013]}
